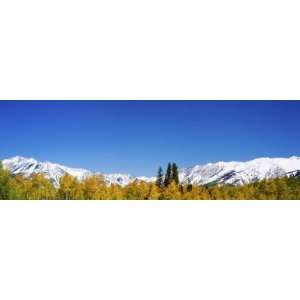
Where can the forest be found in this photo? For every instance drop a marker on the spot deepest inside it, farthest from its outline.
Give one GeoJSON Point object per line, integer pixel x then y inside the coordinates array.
{"type": "Point", "coordinates": [166, 187]}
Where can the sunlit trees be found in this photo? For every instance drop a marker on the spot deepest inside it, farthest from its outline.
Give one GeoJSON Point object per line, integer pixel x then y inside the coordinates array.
{"type": "Point", "coordinates": [70, 188]}
{"type": "Point", "coordinates": [136, 190]}
{"type": "Point", "coordinates": [37, 187]}
{"type": "Point", "coordinates": [20, 187]}
{"type": "Point", "coordinates": [153, 192]}
{"type": "Point", "coordinates": [215, 193]}
{"type": "Point", "coordinates": [4, 183]}
{"type": "Point", "coordinates": [195, 192]}
{"type": "Point", "coordinates": [66, 184]}
{"type": "Point", "coordinates": [130, 191]}
{"type": "Point", "coordinates": [115, 192]}
{"type": "Point", "coordinates": [41, 188]}
{"type": "Point", "coordinates": [171, 192]}
{"type": "Point", "coordinates": [94, 188]}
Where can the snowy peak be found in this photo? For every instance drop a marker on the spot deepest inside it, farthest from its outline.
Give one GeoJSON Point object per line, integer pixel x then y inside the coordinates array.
{"type": "Point", "coordinates": [29, 166]}
{"type": "Point", "coordinates": [121, 179]}
{"type": "Point", "coordinates": [233, 172]}
{"type": "Point", "coordinates": [52, 171]}
{"type": "Point", "coordinates": [240, 172]}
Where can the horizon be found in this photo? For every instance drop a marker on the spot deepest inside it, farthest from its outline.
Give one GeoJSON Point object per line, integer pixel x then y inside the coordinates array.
{"type": "Point", "coordinates": [136, 137]}
{"type": "Point", "coordinates": [127, 173]}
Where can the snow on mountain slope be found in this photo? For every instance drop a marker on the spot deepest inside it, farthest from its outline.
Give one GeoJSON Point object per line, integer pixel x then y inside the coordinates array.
{"type": "Point", "coordinates": [29, 166]}
{"type": "Point", "coordinates": [240, 172]}
{"type": "Point", "coordinates": [221, 172]}
{"type": "Point", "coordinates": [121, 179]}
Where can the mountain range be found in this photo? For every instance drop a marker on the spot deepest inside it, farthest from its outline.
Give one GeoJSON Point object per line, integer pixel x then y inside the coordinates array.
{"type": "Point", "coordinates": [234, 172]}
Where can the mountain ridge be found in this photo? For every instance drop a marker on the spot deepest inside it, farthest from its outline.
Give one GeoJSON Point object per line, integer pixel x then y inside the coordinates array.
{"type": "Point", "coordinates": [232, 172]}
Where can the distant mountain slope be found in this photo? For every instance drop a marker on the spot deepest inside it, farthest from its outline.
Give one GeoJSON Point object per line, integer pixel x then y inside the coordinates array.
{"type": "Point", "coordinates": [238, 173]}
{"type": "Point", "coordinates": [52, 171]}
{"type": "Point", "coordinates": [235, 173]}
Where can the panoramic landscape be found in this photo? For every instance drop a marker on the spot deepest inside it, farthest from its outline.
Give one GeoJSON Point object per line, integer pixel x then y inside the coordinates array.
{"type": "Point", "coordinates": [150, 150]}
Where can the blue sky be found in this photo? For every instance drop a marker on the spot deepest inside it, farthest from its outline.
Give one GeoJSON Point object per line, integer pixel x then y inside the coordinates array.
{"type": "Point", "coordinates": [138, 136]}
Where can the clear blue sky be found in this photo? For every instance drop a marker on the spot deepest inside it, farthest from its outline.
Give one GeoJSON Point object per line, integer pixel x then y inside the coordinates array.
{"type": "Point", "coordinates": [138, 136]}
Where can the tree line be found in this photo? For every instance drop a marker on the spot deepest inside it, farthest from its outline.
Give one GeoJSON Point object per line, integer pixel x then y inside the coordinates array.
{"type": "Point", "coordinates": [170, 176]}
{"type": "Point", "coordinates": [166, 187]}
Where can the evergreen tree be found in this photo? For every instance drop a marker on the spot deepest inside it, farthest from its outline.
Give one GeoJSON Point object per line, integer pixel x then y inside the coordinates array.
{"type": "Point", "coordinates": [168, 176]}
{"type": "Point", "coordinates": [174, 175]}
{"type": "Point", "coordinates": [160, 178]}
{"type": "Point", "coordinates": [95, 187]}
{"type": "Point", "coordinates": [189, 185]}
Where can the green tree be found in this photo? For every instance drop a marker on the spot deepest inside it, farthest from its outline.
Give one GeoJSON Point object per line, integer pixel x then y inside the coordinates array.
{"type": "Point", "coordinates": [174, 175]}
{"type": "Point", "coordinates": [160, 178]}
{"type": "Point", "coordinates": [168, 176]}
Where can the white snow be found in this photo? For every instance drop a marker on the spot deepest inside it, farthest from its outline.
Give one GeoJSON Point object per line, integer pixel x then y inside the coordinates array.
{"type": "Point", "coordinates": [240, 172]}
{"type": "Point", "coordinates": [220, 172]}
{"type": "Point", "coordinates": [29, 166]}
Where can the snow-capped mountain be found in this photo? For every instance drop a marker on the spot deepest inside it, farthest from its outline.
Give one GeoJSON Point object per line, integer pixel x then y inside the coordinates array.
{"type": "Point", "coordinates": [235, 173]}
{"type": "Point", "coordinates": [29, 166]}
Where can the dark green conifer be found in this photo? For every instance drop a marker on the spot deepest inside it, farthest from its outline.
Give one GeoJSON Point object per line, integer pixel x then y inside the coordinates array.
{"type": "Point", "coordinates": [168, 176]}
{"type": "Point", "coordinates": [175, 176]}
{"type": "Point", "coordinates": [160, 178]}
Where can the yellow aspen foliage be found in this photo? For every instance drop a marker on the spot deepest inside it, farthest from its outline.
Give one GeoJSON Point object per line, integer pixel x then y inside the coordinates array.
{"type": "Point", "coordinates": [136, 190]}
{"type": "Point", "coordinates": [115, 192]}
{"type": "Point", "coordinates": [67, 185]}
{"type": "Point", "coordinates": [171, 192]}
{"type": "Point", "coordinates": [4, 183]}
{"type": "Point", "coordinates": [41, 188]}
{"type": "Point", "coordinates": [94, 188]}
{"type": "Point", "coordinates": [215, 193]}
{"type": "Point", "coordinates": [282, 189]}
{"type": "Point", "coordinates": [248, 192]}
{"type": "Point", "coordinates": [16, 188]}
{"type": "Point", "coordinates": [153, 192]}
{"type": "Point", "coordinates": [194, 192]}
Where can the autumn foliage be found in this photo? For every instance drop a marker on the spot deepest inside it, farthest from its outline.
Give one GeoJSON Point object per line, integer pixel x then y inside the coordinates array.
{"type": "Point", "coordinates": [165, 188]}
